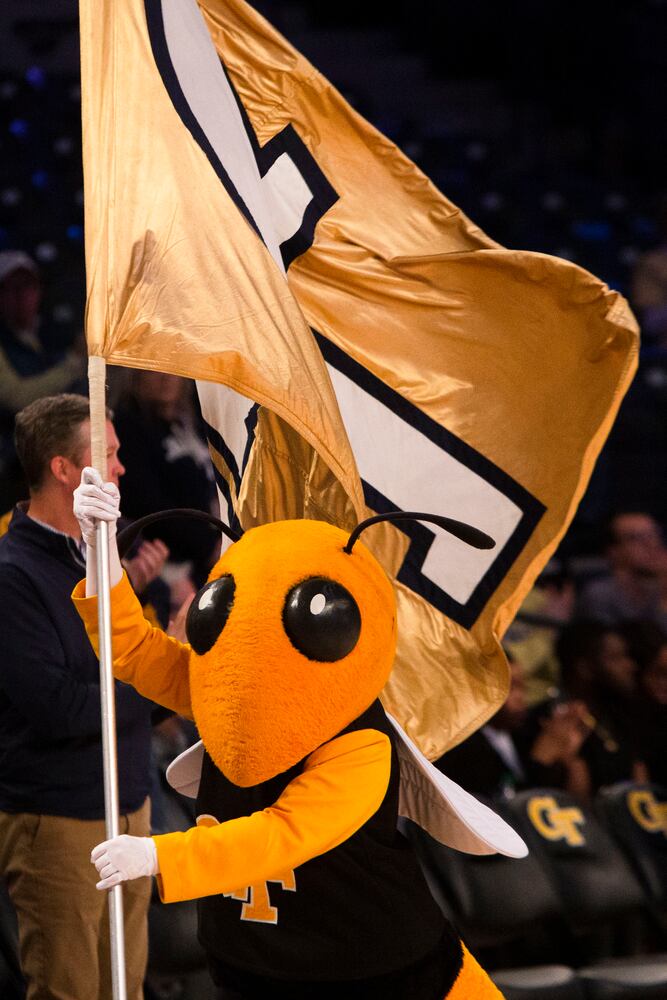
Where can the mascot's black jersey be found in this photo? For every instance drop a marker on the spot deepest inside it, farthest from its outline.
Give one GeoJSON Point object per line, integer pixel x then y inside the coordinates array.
{"type": "Point", "coordinates": [360, 910]}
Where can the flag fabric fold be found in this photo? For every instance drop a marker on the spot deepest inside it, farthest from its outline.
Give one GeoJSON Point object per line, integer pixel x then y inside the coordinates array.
{"type": "Point", "coordinates": [247, 228]}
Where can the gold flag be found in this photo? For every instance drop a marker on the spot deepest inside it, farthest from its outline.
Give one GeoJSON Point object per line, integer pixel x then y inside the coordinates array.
{"type": "Point", "coordinates": [181, 275]}
{"type": "Point", "coordinates": [473, 381]}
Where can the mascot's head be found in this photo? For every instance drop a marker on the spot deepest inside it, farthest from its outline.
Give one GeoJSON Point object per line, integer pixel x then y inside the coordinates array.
{"type": "Point", "coordinates": [292, 638]}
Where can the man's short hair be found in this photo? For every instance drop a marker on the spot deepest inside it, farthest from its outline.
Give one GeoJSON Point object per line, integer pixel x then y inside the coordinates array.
{"type": "Point", "coordinates": [48, 427]}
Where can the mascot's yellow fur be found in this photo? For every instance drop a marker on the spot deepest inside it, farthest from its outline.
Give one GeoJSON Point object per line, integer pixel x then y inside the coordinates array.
{"type": "Point", "coordinates": [260, 705]}
{"type": "Point", "coordinates": [306, 888]}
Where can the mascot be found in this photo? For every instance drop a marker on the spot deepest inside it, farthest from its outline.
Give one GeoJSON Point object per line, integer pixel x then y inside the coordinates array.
{"type": "Point", "coordinates": [306, 888]}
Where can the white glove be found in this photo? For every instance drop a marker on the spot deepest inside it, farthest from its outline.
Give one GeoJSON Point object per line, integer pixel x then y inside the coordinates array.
{"type": "Point", "coordinates": [124, 858]}
{"type": "Point", "coordinates": [95, 501]}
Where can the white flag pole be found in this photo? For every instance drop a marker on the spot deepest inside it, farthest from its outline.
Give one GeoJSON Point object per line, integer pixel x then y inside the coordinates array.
{"type": "Point", "coordinates": [98, 442]}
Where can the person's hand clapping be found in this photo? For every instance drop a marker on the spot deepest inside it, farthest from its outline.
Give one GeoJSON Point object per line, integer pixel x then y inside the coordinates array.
{"type": "Point", "coordinates": [176, 627]}
{"type": "Point", "coordinates": [147, 564]}
{"type": "Point", "coordinates": [562, 735]}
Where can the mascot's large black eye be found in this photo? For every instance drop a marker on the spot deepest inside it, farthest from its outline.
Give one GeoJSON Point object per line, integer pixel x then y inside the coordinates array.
{"type": "Point", "coordinates": [321, 619]}
{"type": "Point", "coordinates": [208, 613]}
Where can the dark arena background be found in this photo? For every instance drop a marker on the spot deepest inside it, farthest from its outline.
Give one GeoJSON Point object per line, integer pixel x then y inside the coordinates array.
{"type": "Point", "coordinates": [545, 123]}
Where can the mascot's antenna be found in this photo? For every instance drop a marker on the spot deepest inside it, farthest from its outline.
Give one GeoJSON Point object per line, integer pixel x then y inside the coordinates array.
{"type": "Point", "coordinates": [127, 536]}
{"type": "Point", "coordinates": [472, 536]}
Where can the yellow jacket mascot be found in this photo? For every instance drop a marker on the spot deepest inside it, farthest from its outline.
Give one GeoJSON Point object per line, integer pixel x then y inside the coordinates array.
{"type": "Point", "coordinates": [306, 888]}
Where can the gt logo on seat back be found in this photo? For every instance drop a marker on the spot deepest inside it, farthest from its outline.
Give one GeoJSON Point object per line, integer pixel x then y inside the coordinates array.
{"type": "Point", "coordinates": [647, 811]}
{"type": "Point", "coordinates": [554, 822]}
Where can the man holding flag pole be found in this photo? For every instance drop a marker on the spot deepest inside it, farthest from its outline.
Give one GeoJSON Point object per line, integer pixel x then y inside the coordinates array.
{"type": "Point", "coordinates": [357, 342]}
{"type": "Point", "coordinates": [52, 806]}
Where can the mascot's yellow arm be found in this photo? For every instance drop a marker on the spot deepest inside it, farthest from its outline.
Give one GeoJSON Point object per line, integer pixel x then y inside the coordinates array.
{"type": "Point", "coordinates": [145, 657]}
{"type": "Point", "coordinates": [342, 785]}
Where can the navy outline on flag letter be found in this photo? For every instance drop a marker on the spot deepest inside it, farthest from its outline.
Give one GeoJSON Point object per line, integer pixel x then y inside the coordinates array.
{"type": "Point", "coordinates": [324, 196]}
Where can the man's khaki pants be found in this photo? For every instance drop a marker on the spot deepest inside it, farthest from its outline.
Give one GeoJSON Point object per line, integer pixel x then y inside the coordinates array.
{"type": "Point", "coordinates": [63, 919]}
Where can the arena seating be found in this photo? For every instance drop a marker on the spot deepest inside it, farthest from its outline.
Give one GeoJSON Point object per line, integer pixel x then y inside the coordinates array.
{"type": "Point", "coordinates": [636, 816]}
{"type": "Point", "coordinates": [506, 910]}
{"type": "Point", "coordinates": [602, 901]}
{"type": "Point", "coordinates": [567, 921]}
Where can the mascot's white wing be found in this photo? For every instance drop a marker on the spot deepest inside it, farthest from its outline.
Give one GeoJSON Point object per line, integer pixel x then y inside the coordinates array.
{"type": "Point", "coordinates": [184, 772]}
{"type": "Point", "coordinates": [427, 797]}
{"type": "Point", "coordinates": [445, 810]}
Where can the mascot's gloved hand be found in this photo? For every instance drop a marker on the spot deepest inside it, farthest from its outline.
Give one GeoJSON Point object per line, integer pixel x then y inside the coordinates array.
{"type": "Point", "coordinates": [124, 858]}
{"type": "Point", "coordinates": [96, 501]}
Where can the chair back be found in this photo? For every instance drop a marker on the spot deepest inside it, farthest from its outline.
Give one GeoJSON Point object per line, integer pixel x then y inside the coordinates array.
{"type": "Point", "coordinates": [491, 899]}
{"type": "Point", "coordinates": [590, 873]}
{"type": "Point", "coordinates": [636, 815]}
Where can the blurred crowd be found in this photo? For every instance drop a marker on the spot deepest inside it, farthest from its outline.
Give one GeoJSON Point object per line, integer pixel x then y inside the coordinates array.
{"type": "Point", "coordinates": [587, 706]}
{"type": "Point", "coordinates": [166, 459]}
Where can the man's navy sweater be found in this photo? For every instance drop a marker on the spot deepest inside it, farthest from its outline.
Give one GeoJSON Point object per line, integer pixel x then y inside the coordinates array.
{"type": "Point", "coordinates": [50, 720]}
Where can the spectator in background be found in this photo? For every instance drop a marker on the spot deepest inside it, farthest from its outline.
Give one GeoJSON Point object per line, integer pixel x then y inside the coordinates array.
{"type": "Point", "coordinates": [648, 644]}
{"type": "Point", "coordinates": [31, 365]}
{"type": "Point", "coordinates": [638, 441]}
{"type": "Point", "coordinates": [168, 465]}
{"type": "Point", "coordinates": [649, 285]}
{"type": "Point", "coordinates": [635, 589]}
{"type": "Point", "coordinates": [531, 637]}
{"type": "Point", "coordinates": [505, 756]}
{"type": "Point", "coordinates": [51, 782]}
{"type": "Point", "coordinates": [598, 685]}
